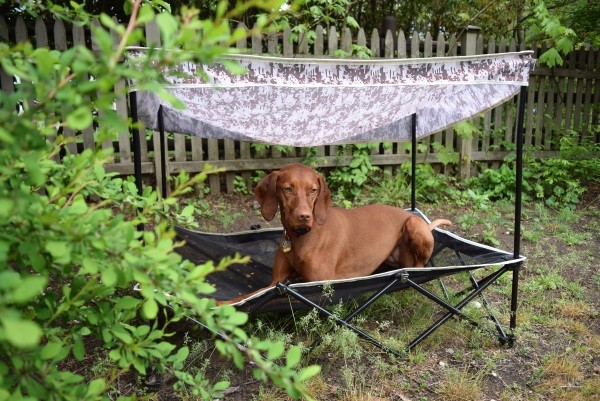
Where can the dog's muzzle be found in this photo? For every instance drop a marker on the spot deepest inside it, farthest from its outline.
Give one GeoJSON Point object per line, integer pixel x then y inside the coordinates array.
{"type": "Point", "coordinates": [301, 231]}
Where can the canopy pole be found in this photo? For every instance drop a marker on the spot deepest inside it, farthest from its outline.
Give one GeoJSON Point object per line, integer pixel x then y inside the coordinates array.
{"type": "Point", "coordinates": [413, 171]}
{"type": "Point", "coordinates": [137, 147]}
{"type": "Point", "coordinates": [518, 200]}
{"type": "Point", "coordinates": [163, 153]}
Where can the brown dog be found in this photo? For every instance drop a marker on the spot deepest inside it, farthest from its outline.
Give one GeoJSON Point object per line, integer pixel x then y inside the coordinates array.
{"type": "Point", "coordinates": [322, 242]}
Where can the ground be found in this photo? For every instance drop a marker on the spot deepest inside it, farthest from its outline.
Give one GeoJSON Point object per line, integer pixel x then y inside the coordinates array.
{"type": "Point", "coordinates": [556, 355]}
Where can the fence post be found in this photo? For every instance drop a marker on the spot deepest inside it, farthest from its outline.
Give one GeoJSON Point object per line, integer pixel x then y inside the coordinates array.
{"type": "Point", "coordinates": [468, 47]}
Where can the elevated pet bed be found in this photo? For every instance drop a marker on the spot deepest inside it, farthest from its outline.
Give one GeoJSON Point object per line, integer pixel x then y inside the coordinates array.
{"type": "Point", "coordinates": [311, 102]}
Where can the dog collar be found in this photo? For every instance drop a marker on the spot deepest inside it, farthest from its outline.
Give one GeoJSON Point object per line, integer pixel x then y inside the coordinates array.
{"type": "Point", "coordinates": [286, 243]}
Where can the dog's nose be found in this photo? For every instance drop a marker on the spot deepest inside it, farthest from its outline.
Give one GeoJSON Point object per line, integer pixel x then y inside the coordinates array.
{"type": "Point", "coordinates": [304, 217]}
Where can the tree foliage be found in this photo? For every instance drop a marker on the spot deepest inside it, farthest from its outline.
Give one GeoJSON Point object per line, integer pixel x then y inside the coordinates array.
{"type": "Point", "coordinates": [70, 252]}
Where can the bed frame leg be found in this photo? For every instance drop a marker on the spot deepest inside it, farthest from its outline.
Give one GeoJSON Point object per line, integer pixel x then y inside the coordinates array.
{"type": "Point", "coordinates": [286, 290]}
{"type": "Point", "coordinates": [518, 200]}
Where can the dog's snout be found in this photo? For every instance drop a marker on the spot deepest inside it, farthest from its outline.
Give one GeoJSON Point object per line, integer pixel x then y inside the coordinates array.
{"type": "Point", "coordinates": [304, 217]}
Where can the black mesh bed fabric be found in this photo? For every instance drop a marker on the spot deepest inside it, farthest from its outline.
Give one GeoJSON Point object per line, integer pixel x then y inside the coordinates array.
{"type": "Point", "coordinates": [451, 253]}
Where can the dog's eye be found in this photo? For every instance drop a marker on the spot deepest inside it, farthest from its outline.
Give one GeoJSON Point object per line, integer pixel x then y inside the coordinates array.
{"type": "Point", "coordinates": [314, 191]}
{"type": "Point", "coordinates": [288, 190]}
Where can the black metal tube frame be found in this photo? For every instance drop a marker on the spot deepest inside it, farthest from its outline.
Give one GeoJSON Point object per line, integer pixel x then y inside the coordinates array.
{"type": "Point", "coordinates": [403, 276]}
{"type": "Point", "coordinates": [163, 152]}
{"type": "Point", "coordinates": [413, 169]}
{"type": "Point", "coordinates": [479, 287]}
{"type": "Point", "coordinates": [518, 200]}
{"type": "Point", "coordinates": [137, 147]}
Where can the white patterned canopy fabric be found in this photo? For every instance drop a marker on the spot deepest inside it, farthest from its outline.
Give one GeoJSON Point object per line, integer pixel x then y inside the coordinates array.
{"type": "Point", "coordinates": [310, 102]}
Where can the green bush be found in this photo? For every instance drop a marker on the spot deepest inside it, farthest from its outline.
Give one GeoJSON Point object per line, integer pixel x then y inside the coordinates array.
{"type": "Point", "coordinates": [555, 181]}
{"type": "Point", "coordinates": [395, 189]}
{"type": "Point", "coordinates": [348, 181]}
{"type": "Point", "coordinates": [70, 252]}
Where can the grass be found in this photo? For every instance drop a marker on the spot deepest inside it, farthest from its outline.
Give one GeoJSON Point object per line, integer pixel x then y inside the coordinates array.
{"type": "Point", "coordinates": [556, 355]}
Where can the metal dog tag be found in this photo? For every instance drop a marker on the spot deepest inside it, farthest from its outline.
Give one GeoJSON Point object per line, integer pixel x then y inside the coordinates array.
{"type": "Point", "coordinates": [286, 244]}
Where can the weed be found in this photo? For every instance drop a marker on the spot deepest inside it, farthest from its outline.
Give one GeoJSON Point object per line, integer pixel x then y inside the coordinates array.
{"type": "Point", "coordinates": [460, 384]}
{"type": "Point", "coordinates": [548, 281]}
{"type": "Point", "coordinates": [572, 238]}
{"type": "Point", "coordinates": [489, 236]}
{"type": "Point", "coordinates": [559, 371]}
{"type": "Point", "coordinates": [239, 185]}
{"type": "Point", "coordinates": [596, 280]}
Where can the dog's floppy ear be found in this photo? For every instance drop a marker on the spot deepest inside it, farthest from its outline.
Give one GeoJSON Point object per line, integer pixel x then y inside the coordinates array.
{"type": "Point", "coordinates": [322, 202]}
{"type": "Point", "coordinates": [265, 193]}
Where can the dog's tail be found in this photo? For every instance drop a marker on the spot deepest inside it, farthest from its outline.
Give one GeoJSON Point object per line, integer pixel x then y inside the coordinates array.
{"type": "Point", "coordinates": [439, 222]}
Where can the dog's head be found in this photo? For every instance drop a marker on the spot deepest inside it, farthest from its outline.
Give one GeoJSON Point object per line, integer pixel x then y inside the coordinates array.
{"type": "Point", "coordinates": [301, 194]}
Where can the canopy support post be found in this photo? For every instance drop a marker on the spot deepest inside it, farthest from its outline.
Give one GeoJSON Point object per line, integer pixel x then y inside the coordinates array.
{"type": "Point", "coordinates": [137, 147]}
{"type": "Point", "coordinates": [163, 153]}
{"type": "Point", "coordinates": [413, 171]}
{"type": "Point", "coordinates": [518, 200]}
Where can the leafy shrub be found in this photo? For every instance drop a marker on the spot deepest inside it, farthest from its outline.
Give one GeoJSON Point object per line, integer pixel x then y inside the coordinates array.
{"type": "Point", "coordinates": [70, 251]}
{"type": "Point", "coordinates": [347, 181]}
{"type": "Point", "coordinates": [395, 189]}
{"type": "Point", "coordinates": [555, 181]}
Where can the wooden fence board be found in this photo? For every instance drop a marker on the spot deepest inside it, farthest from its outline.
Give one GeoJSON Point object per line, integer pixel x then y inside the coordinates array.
{"type": "Point", "coordinates": [587, 98]}
{"type": "Point", "coordinates": [570, 88]}
{"type": "Point", "coordinates": [595, 120]}
{"type": "Point", "coordinates": [6, 80]}
{"type": "Point", "coordinates": [60, 43]}
{"type": "Point", "coordinates": [579, 92]}
{"type": "Point", "coordinates": [549, 129]}
{"type": "Point", "coordinates": [153, 40]}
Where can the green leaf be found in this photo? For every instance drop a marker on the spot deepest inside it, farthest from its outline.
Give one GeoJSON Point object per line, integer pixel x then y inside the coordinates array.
{"type": "Point", "coordinates": [79, 349]}
{"type": "Point", "coordinates": [293, 357]}
{"type": "Point", "coordinates": [220, 386]}
{"type": "Point", "coordinates": [44, 61]}
{"type": "Point", "coordinates": [551, 58]}
{"type": "Point", "coordinates": [109, 276]}
{"type": "Point", "coordinates": [51, 349]}
{"type": "Point", "coordinates": [307, 373]}
{"type": "Point", "coordinates": [122, 334]}
{"type": "Point", "coordinates": [187, 211]}
{"type": "Point", "coordinates": [60, 251]}
{"type": "Point", "coordinates": [181, 354]}
{"type": "Point", "coordinates": [150, 309]}
{"type": "Point", "coordinates": [6, 207]}
{"type": "Point", "coordinates": [35, 174]}
{"type": "Point", "coordinates": [89, 266]}
{"type": "Point", "coordinates": [21, 333]}
{"type": "Point", "coordinates": [167, 25]}
{"type": "Point", "coordinates": [9, 279]}
{"type": "Point", "coordinates": [351, 22]}
{"type": "Point", "coordinates": [140, 366]}
{"type": "Point", "coordinates": [276, 350]}
{"type": "Point", "coordinates": [80, 119]}
{"type": "Point", "coordinates": [233, 67]}
{"type": "Point", "coordinates": [146, 14]}
{"type": "Point", "coordinates": [237, 318]}
{"type": "Point", "coordinates": [28, 289]}
{"type": "Point", "coordinates": [5, 136]}
{"type": "Point", "coordinates": [95, 388]}
{"type": "Point", "coordinates": [127, 302]}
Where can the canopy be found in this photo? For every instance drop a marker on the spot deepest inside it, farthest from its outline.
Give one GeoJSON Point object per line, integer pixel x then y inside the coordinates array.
{"type": "Point", "coordinates": [311, 102]}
